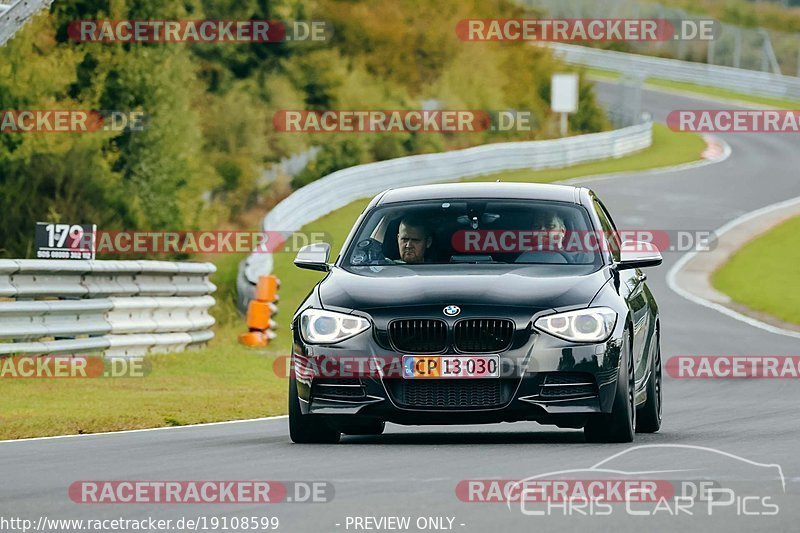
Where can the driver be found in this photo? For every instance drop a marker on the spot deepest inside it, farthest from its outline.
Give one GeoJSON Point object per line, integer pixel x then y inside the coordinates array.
{"type": "Point", "coordinates": [413, 240]}
{"type": "Point", "coordinates": [549, 230]}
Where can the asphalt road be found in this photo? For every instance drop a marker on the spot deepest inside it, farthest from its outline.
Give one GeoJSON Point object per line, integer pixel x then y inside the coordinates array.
{"type": "Point", "coordinates": [414, 471]}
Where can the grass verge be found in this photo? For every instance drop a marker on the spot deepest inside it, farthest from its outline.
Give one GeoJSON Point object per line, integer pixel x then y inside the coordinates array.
{"type": "Point", "coordinates": [777, 103]}
{"type": "Point", "coordinates": [223, 382]}
{"type": "Point", "coordinates": [227, 381]}
{"type": "Point", "coordinates": [763, 273]}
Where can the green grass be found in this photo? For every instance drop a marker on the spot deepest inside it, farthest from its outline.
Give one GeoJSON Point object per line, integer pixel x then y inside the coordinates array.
{"type": "Point", "coordinates": [227, 381]}
{"type": "Point", "coordinates": [763, 274]}
{"type": "Point", "coordinates": [778, 103]}
{"type": "Point", "coordinates": [224, 382]}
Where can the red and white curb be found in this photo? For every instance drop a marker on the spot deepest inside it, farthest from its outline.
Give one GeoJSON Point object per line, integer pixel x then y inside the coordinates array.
{"type": "Point", "coordinates": [716, 150]}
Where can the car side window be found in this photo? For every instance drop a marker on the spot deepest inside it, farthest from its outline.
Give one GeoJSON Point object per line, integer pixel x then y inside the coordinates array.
{"type": "Point", "coordinates": [610, 231]}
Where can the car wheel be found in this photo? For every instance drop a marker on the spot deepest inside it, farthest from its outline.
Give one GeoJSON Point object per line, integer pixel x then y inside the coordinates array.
{"type": "Point", "coordinates": [649, 416]}
{"type": "Point", "coordinates": [307, 429]}
{"type": "Point", "coordinates": [619, 424]}
{"type": "Point", "coordinates": [361, 427]}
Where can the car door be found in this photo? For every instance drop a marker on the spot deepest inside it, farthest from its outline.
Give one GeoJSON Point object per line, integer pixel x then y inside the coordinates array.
{"type": "Point", "coordinates": [632, 289]}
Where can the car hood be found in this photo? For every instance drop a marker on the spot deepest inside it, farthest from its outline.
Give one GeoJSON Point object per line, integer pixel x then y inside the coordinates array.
{"type": "Point", "coordinates": [532, 286]}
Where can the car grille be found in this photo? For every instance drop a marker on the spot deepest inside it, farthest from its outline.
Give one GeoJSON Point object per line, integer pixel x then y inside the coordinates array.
{"type": "Point", "coordinates": [482, 335]}
{"type": "Point", "coordinates": [418, 335]}
{"type": "Point", "coordinates": [449, 393]}
{"type": "Point", "coordinates": [568, 385]}
{"type": "Point", "coordinates": [337, 389]}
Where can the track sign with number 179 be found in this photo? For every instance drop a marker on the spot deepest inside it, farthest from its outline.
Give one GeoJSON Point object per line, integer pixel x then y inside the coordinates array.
{"type": "Point", "coordinates": [65, 241]}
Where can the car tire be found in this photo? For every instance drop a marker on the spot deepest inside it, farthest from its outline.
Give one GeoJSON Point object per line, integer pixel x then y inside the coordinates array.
{"type": "Point", "coordinates": [307, 429]}
{"type": "Point", "coordinates": [362, 427]}
{"type": "Point", "coordinates": [648, 419]}
{"type": "Point", "coordinates": [619, 424]}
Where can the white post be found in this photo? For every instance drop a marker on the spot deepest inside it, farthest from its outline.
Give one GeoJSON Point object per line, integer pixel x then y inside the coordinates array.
{"type": "Point", "coordinates": [564, 97]}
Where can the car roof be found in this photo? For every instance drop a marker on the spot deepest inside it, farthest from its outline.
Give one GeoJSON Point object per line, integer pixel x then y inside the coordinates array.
{"type": "Point", "coordinates": [487, 189]}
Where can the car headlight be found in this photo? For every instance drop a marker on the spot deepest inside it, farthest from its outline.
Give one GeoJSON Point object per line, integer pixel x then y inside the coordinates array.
{"type": "Point", "coordinates": [594, 324]}
{"type": "Point", "coordinates": [321, 327]}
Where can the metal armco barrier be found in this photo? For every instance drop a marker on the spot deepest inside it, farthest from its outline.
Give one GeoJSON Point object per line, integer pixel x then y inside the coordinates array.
{"type": "Point", "coordinates": [260, 312]}
{"type": "Point", "coordinates": [734, 79]}
{"type": "Point", "coordinates": [344, 186]}
{"type": "Point", "coordinates": [120, 308]}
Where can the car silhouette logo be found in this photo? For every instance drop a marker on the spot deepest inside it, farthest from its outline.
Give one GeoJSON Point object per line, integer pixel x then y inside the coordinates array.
{"type": "Point", "coordinates": [452, 310]}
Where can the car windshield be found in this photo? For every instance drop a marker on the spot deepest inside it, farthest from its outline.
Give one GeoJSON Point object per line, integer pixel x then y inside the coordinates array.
{"type": "Point", "coordinates": [475, 231]}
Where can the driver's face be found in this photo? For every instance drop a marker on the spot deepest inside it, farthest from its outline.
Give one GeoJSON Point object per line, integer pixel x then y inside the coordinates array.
{"type": "Point", "coordinates": [552, 231]}
{"type": "Point", "coordinates": [412, 243]}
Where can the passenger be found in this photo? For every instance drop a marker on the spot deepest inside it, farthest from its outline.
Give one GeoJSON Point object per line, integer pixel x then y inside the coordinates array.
{"type": "Point", "coordinates": [549, 230]}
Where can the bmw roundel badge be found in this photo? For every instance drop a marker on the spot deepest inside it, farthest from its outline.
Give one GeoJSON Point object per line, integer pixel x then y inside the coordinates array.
{"type": "Point", "coordinates": [452, 310]}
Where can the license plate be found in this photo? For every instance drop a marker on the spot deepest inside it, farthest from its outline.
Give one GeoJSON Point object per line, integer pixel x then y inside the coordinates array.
{"type": "Point", "coordinates": [451, 366]}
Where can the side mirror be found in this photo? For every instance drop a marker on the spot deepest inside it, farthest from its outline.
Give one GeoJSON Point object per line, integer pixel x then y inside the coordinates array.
{"type": "Point", "coordinates": [314, 257]}
{"type": "Point", "coordinates": [638, 254]}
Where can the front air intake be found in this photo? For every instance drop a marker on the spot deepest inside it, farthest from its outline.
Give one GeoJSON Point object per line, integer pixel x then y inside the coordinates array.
{"type": "Point", "coordinates": [423, 336]}
{"type": "Point", "coordinates": [483, 335]}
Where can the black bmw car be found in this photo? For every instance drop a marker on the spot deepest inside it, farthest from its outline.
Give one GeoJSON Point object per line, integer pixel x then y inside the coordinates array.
{"type": "Point", "coordinates": [478, 303]}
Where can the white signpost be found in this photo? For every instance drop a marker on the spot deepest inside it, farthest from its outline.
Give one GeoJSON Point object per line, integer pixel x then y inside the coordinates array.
{"type": "Point", "coordinates": [564, 97]}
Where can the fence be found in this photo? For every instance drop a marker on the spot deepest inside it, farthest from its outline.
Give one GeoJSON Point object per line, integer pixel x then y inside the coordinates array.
{"type": "Point", "coordinates": [119, 308]}
{"type": "Point", "coordinates": [734, 79]}
{"type": "Point", "coordinates": [734, 46]}
{"type": "Point", "coordinates": [344, 186]}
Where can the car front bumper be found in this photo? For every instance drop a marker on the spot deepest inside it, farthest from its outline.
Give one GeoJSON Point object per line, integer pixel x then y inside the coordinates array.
{"type": "Point", "coordinates": [543, 379]}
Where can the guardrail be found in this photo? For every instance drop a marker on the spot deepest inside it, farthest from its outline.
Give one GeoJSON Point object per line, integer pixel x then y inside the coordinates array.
{"type": "Point", "coordinates": [344, 186]}
{"type": "Point", "coordinates": [734, 79]}
{"type": "Point", "coordinates": [14, 16]}
{"type": "Point", "coordinates": [118, 308]}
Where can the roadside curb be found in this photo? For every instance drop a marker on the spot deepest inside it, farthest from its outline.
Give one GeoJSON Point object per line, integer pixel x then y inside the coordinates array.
{"type": "Point", "coordinates": [690, 277]}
